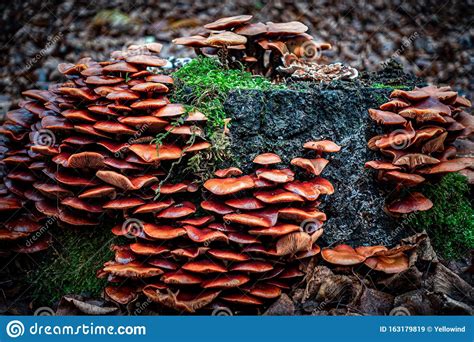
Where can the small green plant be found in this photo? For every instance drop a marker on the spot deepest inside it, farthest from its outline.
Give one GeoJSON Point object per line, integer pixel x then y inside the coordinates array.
{"type": "Point", "coordinates": [70, 265]}
{"type": "Point", "coordinates": [450, 223]}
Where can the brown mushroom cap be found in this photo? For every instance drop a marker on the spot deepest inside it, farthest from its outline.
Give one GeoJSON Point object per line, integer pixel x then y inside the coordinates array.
{"type": "Point", "coordinates": [313, 166]}
{"type": "Point", "coordinates": [381, 165]}
{"type": "Point", "coordinates": [251, 29]}
{"type": "Point", "coordinates": [241, 299]}
{"type": "Point", "coordinates": [192, 41]}
{"type": "Point", "coordinates": [204, 235]}
{"type": "Point", "coordinates": [229, 172]}
{"type": "Point", "coordinates": [289, 28]}
{"type": "Point", "coordinates": [152, 153]}
{"type": "Point", "coordinates": [82, 160]}
{"type": "Point", "coordinates": [413, 202]}
{"type": "Point", "coordinates": [132, 270]}
{"type": "Point", "coordinates": [322, 146]}
{"type": "Point", "coordinates": [95, 80]}
{"type": "Point", "coordinates": [227, 186]}
{"type": "Point", "coordinates": [98, 192]}
{"type": "Point", "coordinates": [267, 159]}
{"type": "Point", "coordinates": [7, 235]}
{"type": "Point", "coordinates": [276, 176]}
{"type": "Point", "coordinates": [204, 266]}
{"type": "Point", "coordinates": [189, 253]}
{"type": "Point", "coordinates": [160, 79]}
{"type": "Point", "coordinates": [402, 178]}
{"type": "Point", "coordinates": [393, 264]}
{"type": "Point", "coordinates": [293, 243]}
{"type": "Point", "coordinates": [150, 87]}
{"type": "Point", "coordinates": [146, 104]}
{"type": "Point", "coordinates": [177, 210]}
{"type": "Point", "coordinates": [228, 22]}
{"type": "Point", "coordinates": [252, 266]}
{"type": "Point", "coordinates": [7, 204]}
{"type": "Point", "coordinates": [122, 182]}
{"type": "Point", "coordinates": [227, 255]}
{"type": "Point", "coordinates": [249, 203]}
{"type": "Point", "coordinates": [198, 221]}
{"type": "Point", "coordinates": [299, 215]}
{"type": "Point", "coordinates": [263, 290]}
{"type": "Point", "coordinates": [394, 105]}
{"type": "Point", "coordinates": [181, 278]}
{"type": "Point", "coordinates": [79, 204]}
{"type": "Point", "coordinates": [386, 118]}
{"type": "Point", "coordinates": [161, 232]}
{"type": "Point", "coordinates": [120, 67]}
{"type": "Point", "coordinates": [147, 60]}
{"type": "Point", "coordinates": [413, 160]}
{"type": "Point", "coordinates": [368, 251]}
{"type": "Point", "coordinates": [216, 207]}
{"type": "Point", "coordinates": [311, 189]}
{"type": "Point", "coordinates": [453, 165]}
{"type": "Point", "coordinates": [278, 196]}
{"type": "Point", "coordinates": [147, 249]}
{"type": "Point", "coordinates": [163, 263]}
{"type": "Point", "coordinates": [222, 227]}
{"type": "Point", "coordinates": [170, 110]}
{"type": "Point", "coordinates": [123, 203]}
{"type": "Point", "coordinates": [342, 255]}
{"type": "Point", "coordinates": [226, 281]}
{"type": "Point", "coordinates": [278, 230]}
{"type": "Point", "coordinates": [181, 301]}
{"type": "Point", "coordinates": [262, 218]}
{"type": "Point", "coordinates": [120, 294]}
{"type": "Point", "coordinates": [242, 238]}
{"type": "Point", "coordinates": [225, 39]}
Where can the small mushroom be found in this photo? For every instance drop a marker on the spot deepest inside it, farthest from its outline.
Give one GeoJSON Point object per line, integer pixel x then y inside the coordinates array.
{"type": "Point", "coordinates": [413, 202]}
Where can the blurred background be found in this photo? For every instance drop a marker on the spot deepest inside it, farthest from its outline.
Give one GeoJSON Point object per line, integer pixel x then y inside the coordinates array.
{"type": "Point", "coordinates": [432, 39]}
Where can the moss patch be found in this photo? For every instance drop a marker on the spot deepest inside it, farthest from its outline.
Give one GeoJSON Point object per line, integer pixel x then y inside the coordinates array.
{"type": "Point", "coordinates": [388, 86]}
{"type": "Point", "coordinates": [450, 223]}
{"type": "Point", "coordinates": [204, 85]}
{"type": "Point", "coordinates": [70, 266]}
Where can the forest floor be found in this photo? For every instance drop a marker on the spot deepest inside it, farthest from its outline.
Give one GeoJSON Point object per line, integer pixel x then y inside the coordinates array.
{"type": "Point", "coordinates": [432, 39]}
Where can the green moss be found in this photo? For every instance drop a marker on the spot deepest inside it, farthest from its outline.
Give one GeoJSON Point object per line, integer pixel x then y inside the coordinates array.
{"type": "Point", "coordinates": [204, 84]}
{"type": "Point", "coordinates": [388, 86]}
{"type": "Point", "coordinates": [70, 266]}
{"type": "Point", "coordinates": [450, 223]}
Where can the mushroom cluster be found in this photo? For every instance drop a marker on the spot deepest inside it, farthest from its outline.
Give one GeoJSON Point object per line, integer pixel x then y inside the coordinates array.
{"type": "Point", "coordinates": [378, 258]}
{"type": "Point", "coordinates": [20, 167]}
{"type": "Point", "coordinates": [245, 248]}
{"type": "Point", "coordinates": [261, 48]}
{"type": "Point", "coordinates": [422, 125]}
{"type": "Point", "coordinates": [91, 155]}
